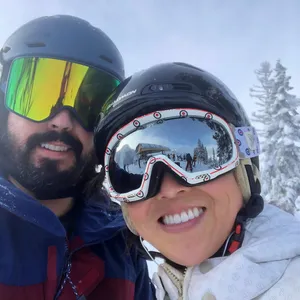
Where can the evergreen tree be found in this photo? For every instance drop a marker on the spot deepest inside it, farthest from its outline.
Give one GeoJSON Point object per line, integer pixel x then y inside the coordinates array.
{"type": "Point", "coordinates": [262, 94]}
{"type": "Point", "coordinates": [281, 128]}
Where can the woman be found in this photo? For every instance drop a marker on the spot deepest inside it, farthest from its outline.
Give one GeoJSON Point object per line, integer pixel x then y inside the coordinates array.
{"type": "Point", "coordinates": [219, 239]}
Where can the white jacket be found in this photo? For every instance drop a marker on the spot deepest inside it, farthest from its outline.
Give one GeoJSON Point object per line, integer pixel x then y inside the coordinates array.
{"type": "Point", "coordinates": [266, 267]}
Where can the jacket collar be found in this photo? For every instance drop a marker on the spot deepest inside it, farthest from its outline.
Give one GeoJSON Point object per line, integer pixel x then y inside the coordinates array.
{"type": "Point", "coordinates": [96, 222]}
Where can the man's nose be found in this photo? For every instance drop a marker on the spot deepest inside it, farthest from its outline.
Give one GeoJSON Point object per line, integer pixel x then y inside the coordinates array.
{"type": "Point", "coordinates": [63, 121]}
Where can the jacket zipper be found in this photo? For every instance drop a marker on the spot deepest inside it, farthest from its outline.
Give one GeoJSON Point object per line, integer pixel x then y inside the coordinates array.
{"type": "Point", "coordinates": [67, 267]}
{"type": "Point", "coordinates": [175, 280]}
{"type": "Point", "coordinates": [63, 279]}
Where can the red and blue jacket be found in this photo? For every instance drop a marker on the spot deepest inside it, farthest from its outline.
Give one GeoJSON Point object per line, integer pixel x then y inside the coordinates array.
{"type": "Point", "coordinates": [38, 261]}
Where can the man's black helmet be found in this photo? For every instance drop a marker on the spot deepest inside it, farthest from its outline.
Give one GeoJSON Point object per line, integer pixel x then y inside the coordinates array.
{"type": "Point", "coordinates": [61, 37]}
{"type": "Point", "coordinates": [64, 37]}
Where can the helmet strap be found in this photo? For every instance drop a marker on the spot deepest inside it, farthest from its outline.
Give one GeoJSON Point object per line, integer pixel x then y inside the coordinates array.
{"type": "Point", "coordinates": [253, 178]}
{"type": "Point", "coordinates": [247, 176]}
{"type": "Point", "coordinates": [251, 210]}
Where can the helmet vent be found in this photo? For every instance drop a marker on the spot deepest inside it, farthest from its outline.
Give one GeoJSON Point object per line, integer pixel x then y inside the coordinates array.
{"type": "Point", "coordinates": [182, 87]}
{"type": "Point", "coordinates": [5, 49]}
{"type": "Point", "coordinates": [36, 45]}
{"type": "Point", "coordinates": [106, 58]}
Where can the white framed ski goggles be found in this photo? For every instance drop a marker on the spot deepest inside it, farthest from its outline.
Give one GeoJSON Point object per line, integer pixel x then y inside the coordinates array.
{"type": "Point", "coordinates": [196, 145]}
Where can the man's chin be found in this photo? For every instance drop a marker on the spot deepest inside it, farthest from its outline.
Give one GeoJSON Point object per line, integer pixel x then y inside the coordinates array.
{"type": "Point", "coordinates": [60, 165]}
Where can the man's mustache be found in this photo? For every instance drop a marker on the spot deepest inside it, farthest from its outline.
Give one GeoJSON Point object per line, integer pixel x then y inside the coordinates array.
{"type": "Point", "coordinates": [37, 139]}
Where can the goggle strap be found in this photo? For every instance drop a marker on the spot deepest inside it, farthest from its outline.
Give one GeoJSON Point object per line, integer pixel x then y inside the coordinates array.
{"type": "Point", "coordinates": [247, 141]}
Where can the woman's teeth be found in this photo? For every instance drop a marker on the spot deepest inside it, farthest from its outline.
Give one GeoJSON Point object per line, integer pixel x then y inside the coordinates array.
{"type": "Point", "coordinates": [183, 217]}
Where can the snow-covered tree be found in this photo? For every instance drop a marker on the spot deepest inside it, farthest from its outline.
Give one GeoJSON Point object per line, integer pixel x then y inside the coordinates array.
{"type": "Point", "coordinates": [262, 94]}
{"type": "Point", "coordinates": [214, 156]}
{"type": "Point", "coordinates": [201, 152]}
{"type": "Point", "coordinates": [281, 139]}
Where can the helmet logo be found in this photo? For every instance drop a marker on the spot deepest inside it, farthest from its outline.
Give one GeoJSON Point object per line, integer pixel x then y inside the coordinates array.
{"type": "Point", "coordinates": [125, 96]}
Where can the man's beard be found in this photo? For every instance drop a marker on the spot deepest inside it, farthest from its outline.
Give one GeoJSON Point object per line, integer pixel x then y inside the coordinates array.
{"type": "Point", "coordinates": [46, 181]}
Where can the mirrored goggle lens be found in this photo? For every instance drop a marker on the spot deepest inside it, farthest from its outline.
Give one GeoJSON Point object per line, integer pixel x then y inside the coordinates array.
{"type": "Point", "coordinates": [194, 145]}
{"type": "Point", "coordinates": [38, 88]}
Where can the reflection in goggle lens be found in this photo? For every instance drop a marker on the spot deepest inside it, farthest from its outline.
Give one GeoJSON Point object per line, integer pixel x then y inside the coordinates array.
{"type": "Point", "coordinates": [194, 144]}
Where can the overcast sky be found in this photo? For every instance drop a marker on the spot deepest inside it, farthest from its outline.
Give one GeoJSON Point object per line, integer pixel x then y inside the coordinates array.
{"type": "Point", "coordinates": [228, 38]}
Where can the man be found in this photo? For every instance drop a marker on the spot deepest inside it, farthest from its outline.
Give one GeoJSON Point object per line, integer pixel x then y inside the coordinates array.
{"type": "Point", "coordinates": [55, 244]}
